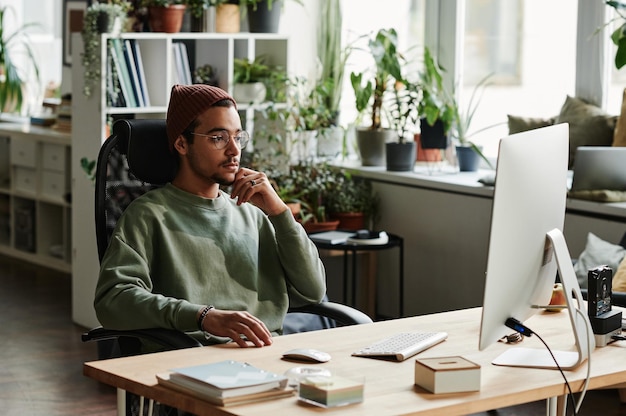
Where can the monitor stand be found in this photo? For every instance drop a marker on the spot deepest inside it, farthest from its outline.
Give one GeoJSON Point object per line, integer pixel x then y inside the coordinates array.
{"type": "Point", "coordinates": [581, 327]}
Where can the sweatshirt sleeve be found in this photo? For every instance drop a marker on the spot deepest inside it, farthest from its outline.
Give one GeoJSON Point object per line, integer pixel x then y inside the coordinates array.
{"type": "Point", "coordinates": [124, 298]}
{"type": "Point", "coordinates": [304, 270]}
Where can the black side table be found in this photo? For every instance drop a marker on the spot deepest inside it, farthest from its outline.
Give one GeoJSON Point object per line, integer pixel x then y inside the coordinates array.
{"type": "Point", "coordinates": [395, 241]}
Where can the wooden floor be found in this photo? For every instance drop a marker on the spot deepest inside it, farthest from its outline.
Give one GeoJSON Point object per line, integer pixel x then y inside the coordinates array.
{"type": "Point", "coordinates": [41, 354]}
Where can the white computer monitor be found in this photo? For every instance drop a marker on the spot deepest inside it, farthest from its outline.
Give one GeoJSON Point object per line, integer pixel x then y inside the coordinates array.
{"type": "Point", "coordinates": [526, 244]}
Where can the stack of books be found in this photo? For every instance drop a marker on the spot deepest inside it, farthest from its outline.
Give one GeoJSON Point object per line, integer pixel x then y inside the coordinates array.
{"type": "Point", "coordinates": [64, 114]}
{"type": "Point", "coordinates": [227, 383]}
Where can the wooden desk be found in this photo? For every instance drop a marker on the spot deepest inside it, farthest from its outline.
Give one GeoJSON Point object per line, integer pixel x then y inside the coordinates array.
{"type": "Point", "coordinates": [389, 388]}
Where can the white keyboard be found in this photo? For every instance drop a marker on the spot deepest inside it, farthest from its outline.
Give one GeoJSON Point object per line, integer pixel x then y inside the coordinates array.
{"type": "Point", "coordinates": [403, 345]}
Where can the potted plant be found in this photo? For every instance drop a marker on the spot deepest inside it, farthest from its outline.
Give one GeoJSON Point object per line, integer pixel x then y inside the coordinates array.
{"type": "Point", "coordinates": [99, 18]}
{"type": "Point", "coordinates": [197, 13]}
{"type": "Point", "coordinates": [332, 58]}
{"type": "Point", "coordinates": [468, 153]}
{"type": "Point", "coordinates": [263, 15]}
{"type": "Point", "coordinates": [313, 184]}
{"type": "Point", "coordinates": [14, 73]}
{"type": "Point", "coordinates": [165, 15]}
{"type": "Point", "coordinates": [351, 201]}
{"type": "Point", "coordinates": [404, 117]}
{"type": "Point", "coordinates": [308, 116]}
{"type": "Point", "coordinates": [435, 107]}
{"type": "Point", "coordinates": [205, 74]}
{"type": "Point", "coordinates": [369, 93]}
{"type": "Point", "coordinates": [251, 79]}
{"type": "Point", "coordinates": [227, 16]}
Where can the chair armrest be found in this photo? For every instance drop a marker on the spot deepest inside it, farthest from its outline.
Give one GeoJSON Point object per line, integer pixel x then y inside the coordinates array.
{"type": "Point", "coordinates": [168, 338]}
{"type": "Point", "coordinates": [343, 314]}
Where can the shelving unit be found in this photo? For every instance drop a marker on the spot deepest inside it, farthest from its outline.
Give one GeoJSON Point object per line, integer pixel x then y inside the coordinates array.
{"type": "Point", "coordinates": [90, 118]}
{"type": "Point", "coordinates": [34, 188]}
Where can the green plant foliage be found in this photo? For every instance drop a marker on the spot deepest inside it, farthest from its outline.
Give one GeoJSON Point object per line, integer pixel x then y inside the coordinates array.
{"type": "Point", "coordinates": [436, 103]}
{"type": "Point", "coordinates": [351, 194]}
{"type": "Point", "coordinates": [619, 35]}
{"type": "Point", "coordinates": [308, 108]}
{"type": "Point", "coordinates": [386, 71]}
{"type": "Point", "coordinates": [13, 78]}
{"type": "Point", "coordinates": [89, 166]}
{"type": "Point", "coordinates": [91, 39]}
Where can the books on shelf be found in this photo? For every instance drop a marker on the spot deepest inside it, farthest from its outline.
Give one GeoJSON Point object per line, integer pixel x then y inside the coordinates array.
{"type": "Point", "coordinates": [182, 73]}
{"type": "Point", "coordinates": [129, 58]}
{"type": "Point", "coordinates": [126, 80]}
{"type": "Point", "coordinates": [64, 115]}
{"type": "Point", "coordinates": [227, 382]}
{"type": "Point", "coordinates": [121, 78]}
{"type": "Point", "coordinates": [140, 71]}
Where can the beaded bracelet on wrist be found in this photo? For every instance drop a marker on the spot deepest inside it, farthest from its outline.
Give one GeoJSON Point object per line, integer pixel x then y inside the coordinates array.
{"type": "Point", "coordinates": [203, 315]}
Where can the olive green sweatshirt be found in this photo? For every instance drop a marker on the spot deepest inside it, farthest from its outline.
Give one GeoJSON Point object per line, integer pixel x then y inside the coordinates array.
{"type": "Point", "coordinates": [173, 252]}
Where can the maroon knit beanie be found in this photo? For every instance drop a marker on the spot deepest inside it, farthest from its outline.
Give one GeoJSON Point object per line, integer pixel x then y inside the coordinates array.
{"type": "Point", "coordinates": [186, 103]}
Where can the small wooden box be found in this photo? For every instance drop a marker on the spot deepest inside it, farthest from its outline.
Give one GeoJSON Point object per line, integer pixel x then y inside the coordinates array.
{"type": "Point", "coordinates": [447, 374]}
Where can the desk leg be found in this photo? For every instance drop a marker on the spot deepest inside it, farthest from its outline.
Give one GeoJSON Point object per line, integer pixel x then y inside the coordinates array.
{"type": "Point", "coordinates": [345, 277]}
{"type": "Point", "coordinates": [121, 402]}
{"type": "Point", "coordinates": [622, 395]}
{"type": "Point", "coordinates": [354, 278]}
{"type": "Point", "coordinates": [556, 406]}
{"type": "Point", "coordinates": [401, 282]}
{"type": "Point", "coordinates": [372, 309]}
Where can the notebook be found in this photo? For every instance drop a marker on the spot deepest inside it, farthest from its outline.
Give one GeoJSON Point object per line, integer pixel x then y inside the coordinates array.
{"type": "Point", "coordinates": [599, 168]}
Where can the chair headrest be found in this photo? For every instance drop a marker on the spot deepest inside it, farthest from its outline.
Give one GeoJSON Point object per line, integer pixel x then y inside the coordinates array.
{"type": "Point", "coordinates": [148, 154]}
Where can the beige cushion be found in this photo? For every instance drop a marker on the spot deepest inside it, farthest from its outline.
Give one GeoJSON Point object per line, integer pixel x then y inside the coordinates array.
{"type": "Point", "coordinates": [589, 125]}
{"type": "Point", "coordinates": [619, 136]}
{"type": "Point", "coordinates": [619, 277]}
{"type": "Point", "coordinates": [597, 252]}
{"type": "Point", "coordinates": [519, 124]}
{"type": "Point", "coordinates": [600, 195]}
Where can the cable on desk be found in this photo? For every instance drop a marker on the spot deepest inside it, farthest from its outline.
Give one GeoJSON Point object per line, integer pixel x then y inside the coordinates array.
{"type": "Point", "coordinates": [524, 330]}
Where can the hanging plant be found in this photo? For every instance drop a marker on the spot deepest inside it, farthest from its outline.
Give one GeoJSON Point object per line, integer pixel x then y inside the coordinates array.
{"type": "Point", "coordinates": [99, 18]}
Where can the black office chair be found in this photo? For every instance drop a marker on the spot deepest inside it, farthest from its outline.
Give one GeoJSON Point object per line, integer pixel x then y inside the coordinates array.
{"type": "Point", "coordinates": [133, 160]}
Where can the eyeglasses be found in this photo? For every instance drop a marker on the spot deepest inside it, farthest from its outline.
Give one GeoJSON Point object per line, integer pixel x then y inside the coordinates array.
{"type": "Point", "coordinates": [221, 138]}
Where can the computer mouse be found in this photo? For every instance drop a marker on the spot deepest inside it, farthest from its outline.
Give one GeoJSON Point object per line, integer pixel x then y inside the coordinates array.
{"type": "Point", "coordinates": [307, 354]}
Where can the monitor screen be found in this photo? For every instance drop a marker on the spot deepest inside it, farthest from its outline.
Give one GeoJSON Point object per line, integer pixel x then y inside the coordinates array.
{"type": "Point", "coordinates": [529, 201]}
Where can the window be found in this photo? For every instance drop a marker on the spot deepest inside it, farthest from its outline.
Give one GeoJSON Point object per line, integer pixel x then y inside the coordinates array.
{"type": "Point", "coordinates": [530, 48]}
{"type": "Point", "coordinates": [406, 17]}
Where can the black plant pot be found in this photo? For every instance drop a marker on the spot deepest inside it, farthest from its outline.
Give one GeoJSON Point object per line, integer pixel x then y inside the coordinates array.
{"type": "Point", "coordinates": [433, 137]}
{"type": "Point", "coordinates": [264, 20]}
{"type": "Point", "coordinates": [468, 159]}
{"type": "Point", "coordinates": [400, 156]}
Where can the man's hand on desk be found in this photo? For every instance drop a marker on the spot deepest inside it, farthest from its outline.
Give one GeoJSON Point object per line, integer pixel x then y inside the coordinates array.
{"type": "Point", "coordinates": [234, 324]}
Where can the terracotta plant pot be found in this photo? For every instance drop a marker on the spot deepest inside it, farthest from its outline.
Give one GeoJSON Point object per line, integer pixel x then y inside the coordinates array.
{"type": "Point", "coordinates": [166, 19]}
{"type": "Point", "coordinates": [426, 155]}
{"type": "Point", "coordinates": [314, 227]}
{"type": "Point", "coordinates": [350, 220]}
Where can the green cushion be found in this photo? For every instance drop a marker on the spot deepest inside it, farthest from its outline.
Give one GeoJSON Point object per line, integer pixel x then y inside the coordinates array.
{"type": "Point", "coordinates": [519, 124]}
{"type": "Point", "coordinates": [588, 125]}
